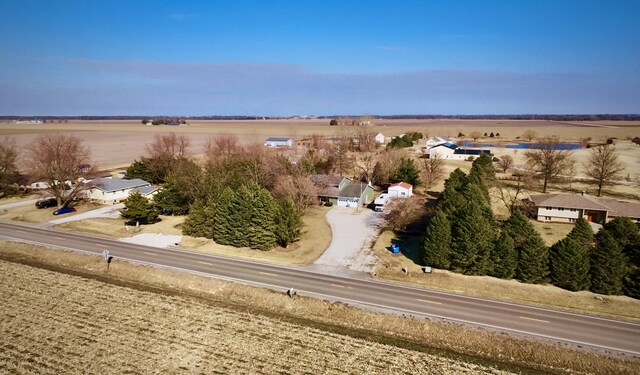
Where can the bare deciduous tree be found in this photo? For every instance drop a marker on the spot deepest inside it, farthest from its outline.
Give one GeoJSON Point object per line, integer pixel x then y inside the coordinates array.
{"type": "Point", "coordinates": [365, 164]}
{"type": "Point", "coordinates": [510, 194]}
{"type": "Point", "coordinates": [432, 169]}
{"type": "Point", "coordinates": [366, 138]}
{"type": "Point", "coordinates": [8, 162]}
{"type": "Point", "coordinates": [387, 165]}
{"type": "Point", "coordinates": [302, 191]}
{"type": "Point", "coordinates": [56, 159]}
{"type": "Point", "coordinates": [603, 165]}
{"type": "Point", "coordinates": [505, 162]}
{"type": "Point", "coordinates": [548, 161]}
{"type": "Point", "coordinates": [224, 145]}
{"type": "Point", "coordinates": [475, 135]}
{"type": "Point", "coordinates": [167, 153]}
{"type": "Point", "coordinates": [404, 211]}
{"type": "Point", "coordinates": [529, 135]}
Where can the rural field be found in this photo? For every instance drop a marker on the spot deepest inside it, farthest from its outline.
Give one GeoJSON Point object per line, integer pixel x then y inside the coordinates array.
{"type": "Point", "coordinates": [63, 313]}
{"type": "Point", "coordinates": [115, 144]}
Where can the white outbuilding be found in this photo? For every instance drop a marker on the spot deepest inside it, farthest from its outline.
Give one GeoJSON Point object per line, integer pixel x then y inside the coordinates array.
{"type": "Point", "coordinates": [279, 142]}
{"type": "Point", "coordinates": [380, 138]}
{"type": "Point", "coordinates": [401, 190]}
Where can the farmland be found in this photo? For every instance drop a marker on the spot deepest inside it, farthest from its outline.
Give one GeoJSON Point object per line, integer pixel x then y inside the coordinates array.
{"type": "Point", "coordinates": [63, 312]}
{"type": "Point", "coordinates": [55, 324]}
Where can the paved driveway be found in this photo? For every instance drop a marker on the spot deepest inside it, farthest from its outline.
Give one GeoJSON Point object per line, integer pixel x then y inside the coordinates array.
{"type": "Point", "coordinates": [108, 211]}
{"type": "Point", "coordinates": [353, 233]}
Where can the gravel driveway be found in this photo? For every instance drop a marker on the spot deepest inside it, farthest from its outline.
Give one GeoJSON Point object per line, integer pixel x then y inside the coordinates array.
{"type": "Point", "coordinates": [352, 237]}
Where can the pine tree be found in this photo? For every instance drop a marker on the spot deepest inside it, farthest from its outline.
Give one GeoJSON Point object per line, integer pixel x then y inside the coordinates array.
{"type": "Point", "coordinates": [222, 231]}
{"type": "Point", "coordinates": [406, 172]}
{"type": "Point", "coordinates": [436, 248]}
{"type": "Point", "coordinates": [569, 264]}
{"type": "Point", "coordinates": [288, 223]}
{"type": "Point", "coordinates": [608, 265]}
{"type": "Point", "coordinates": [627, 235]}
{"type": "Point", "coordinates": [452, 199]}
{"type": "Point", "coordinates": [262, 225]}
{"type": "Point", "coordinates": [457, 179]}
{"type": "Point", "coordinates": [199, 222]}
{"type": "Point", "coordinates": [137, 208]}
{"type": "Point", "coordinates": [483, 174]}
{"type": "Point", "coordinates": [504, 257]}
{"type": "Point", "coordinates": [583, 234]}
{"type": "Point", "coordinates": [172, 197]}
{"type": "Point", "coordinates": [472, 240]}
{"type": "Point", "coordinates": [533, 255]}
{"type": "Point", "coordinates": [140, 169]}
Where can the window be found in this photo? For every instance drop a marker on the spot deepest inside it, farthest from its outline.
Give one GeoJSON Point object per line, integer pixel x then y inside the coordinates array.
{"type": "Point", "coordinates": [572, 220]}
{"type": "Point", "coordinates": [560, 208]}
{"type": "Point", "coordinates": [547, 217]}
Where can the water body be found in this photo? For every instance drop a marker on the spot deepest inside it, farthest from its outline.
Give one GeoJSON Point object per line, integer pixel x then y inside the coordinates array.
{"type": "Point", "coordinates": [559, 146]}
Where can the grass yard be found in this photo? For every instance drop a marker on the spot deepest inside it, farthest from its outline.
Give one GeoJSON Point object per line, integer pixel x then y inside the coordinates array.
{"type": "Point", "coordinates": [31, 214]}
{"type": "Point", "coordinates": [63, 313]}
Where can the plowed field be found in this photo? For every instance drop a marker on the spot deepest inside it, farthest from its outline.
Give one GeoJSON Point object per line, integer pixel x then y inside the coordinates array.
{"type": "Point", "coordinates": [53, 323]}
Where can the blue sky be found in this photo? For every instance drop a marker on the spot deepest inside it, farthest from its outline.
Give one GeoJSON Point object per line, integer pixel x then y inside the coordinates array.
{"type": "Point", "coordinates": [318, 57]}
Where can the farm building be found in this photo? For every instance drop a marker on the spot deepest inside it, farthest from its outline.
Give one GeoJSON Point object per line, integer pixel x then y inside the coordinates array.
{"type": "Point", "coordinates": [568, 208]}
{"type": "Point", "coordinates": [380, 138]}
{"type": "Point", "coordinates": [278, 142]}
{"type": "Point", "coordinates": [436, 140]}
{"type": "Point", "coordinates": [341, 191]}
{"type": "Point", "coordinates": [452, 151]}
{"type": "Point", "coordinates": [115, 190]}
{"type": "Point", "coordinates": [401, 190]}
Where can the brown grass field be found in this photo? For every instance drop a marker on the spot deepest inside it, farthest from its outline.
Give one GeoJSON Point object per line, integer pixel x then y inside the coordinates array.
{"type": "Point", "coordinates": [64, 313]}
{"type": "Point", "coordinates": [116, 144]}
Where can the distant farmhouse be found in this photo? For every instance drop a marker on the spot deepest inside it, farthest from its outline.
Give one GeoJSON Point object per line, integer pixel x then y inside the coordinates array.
{"type": "Point", "coordinates": [115, 190]}
{"type": "Point", "coordinates": [568, 208]}
{"type": "Point", "coordinates": [450, 150]}
{"type": "Point", "coordinates": [379, 138]}
{"type": "Point", "coordinates": [341, 191]}
{"type": "Point", "coordinates": [279, 142]}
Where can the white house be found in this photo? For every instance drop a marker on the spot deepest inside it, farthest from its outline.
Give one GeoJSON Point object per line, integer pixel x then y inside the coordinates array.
{"type": "Point", "coordinates": [380, 138]}
{"type": "Point", "coordinates": [437, 140]}
{"type": "Point", "coordinates": [568, 208]}
{"type": "Point", "coordinates": [452, 151]}
{"type": "Point", "coordinates": [279, 142]}
{"type": "Point", "coordinates": [401, 190]}
{"type": "Point", "coordinates": [115, 190]}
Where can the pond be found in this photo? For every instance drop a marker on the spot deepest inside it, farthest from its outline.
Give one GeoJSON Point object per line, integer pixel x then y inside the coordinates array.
{"type": "Point", "coordinates": [559, 146]}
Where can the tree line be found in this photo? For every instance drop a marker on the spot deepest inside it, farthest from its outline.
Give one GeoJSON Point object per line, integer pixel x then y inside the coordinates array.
{"type": "Point", "coordinates": [463, 236]}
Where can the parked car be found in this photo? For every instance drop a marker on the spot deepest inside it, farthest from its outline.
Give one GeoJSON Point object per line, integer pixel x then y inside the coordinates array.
{"type": "Point", "coordinates": [64, 210]}
{"type": "Point", "coordinates": [46, 203]}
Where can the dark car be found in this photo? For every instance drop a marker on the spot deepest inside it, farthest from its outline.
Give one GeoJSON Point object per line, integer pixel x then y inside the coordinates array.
{"type": "Point", "coordinates": [46, 203]}
{"type": "Point", "coordinates": [64, 210]}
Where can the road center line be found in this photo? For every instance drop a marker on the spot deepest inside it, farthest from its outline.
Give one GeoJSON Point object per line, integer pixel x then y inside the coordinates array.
{"type": "Point", "coordinates": [144, 252]}
{"type": "Point", "coordinates": [533, 319]}
{"type": "Point", "coordinates": [58, 238]}
{"type": "Point", "coordinates": [427, 301]}
{"type": "Point", "coordinates": [267, 273]}
{"type": "Point", "coordinates": [338, 285]}
{"type": "Point", "coordinates": [205, 263]}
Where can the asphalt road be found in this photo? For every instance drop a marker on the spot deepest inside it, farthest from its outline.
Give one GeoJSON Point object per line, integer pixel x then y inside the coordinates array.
{"type": "Point", "coordinates": [577, 329]}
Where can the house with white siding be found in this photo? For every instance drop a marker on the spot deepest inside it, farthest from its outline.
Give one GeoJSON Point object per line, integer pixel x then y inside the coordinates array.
{"type": "Point", "coordinates": [278, 142]}
{"type": "Point", "coordinates": [380, 138]}
{"type": "Point", "coordinates": [341, 191]}
{"type": "Point", "coordinates": [453, 151]}
{"type": "Point", "coordinates": [400, 190]}
{"type": "Point", "coordinates": [115, 190]}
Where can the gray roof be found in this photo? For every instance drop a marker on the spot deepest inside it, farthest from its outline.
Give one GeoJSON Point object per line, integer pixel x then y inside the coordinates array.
{"type": "Point", "coordinates": [353, 190]}
{"type": "Point", "coordinates": [620, 208]}
{"type": "Point", "coordinates": [115, 184]}
{"type": "Point", "coordinates": [274, 139]}
{"type": "Point", "coordinates": [567, 201]}
{"type": "Point", "coordinates": [145, 190]}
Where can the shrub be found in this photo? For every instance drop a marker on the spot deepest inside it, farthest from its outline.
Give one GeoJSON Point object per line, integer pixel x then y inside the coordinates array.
{"type": "Point", "coordinates": [328, 204]}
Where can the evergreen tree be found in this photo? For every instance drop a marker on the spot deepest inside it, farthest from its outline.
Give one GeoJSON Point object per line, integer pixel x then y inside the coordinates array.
{"type": "Point", "coordinates": [406, 172]}
{"type": "Point", "coordinates": [261, 229]}
{"type": "Point", "coordinates": [199, 222]}
{"type": "Point", "coordinates": [222, 231]}
{"type": "Point", "coordinates": [569, 264]}
{"type": "Point", "coordinates": [172, 197]}
{"type": "Point", "coordinates": [608, 265]}
{"type": "Point", "coordinates": [627, 235]}
{"type": "Point", "coordinates": [504, 257]}
{"type": "Point", "coordinates": [583, 234]}
{"type": "Point", "coordinates": [452, 199]}
{"type": "Point", "coordinates": [288, 223]}
{"type": "Point", "coordinates": [483, 174]}
{"type": "Point", "coordinates": [457, 179]}
{"type": "Point", "coordinates": [137, 208]}
{"type": "Point", "coordinates": [533, 255]}
{"type": "Point", "coordinates": [436, 248]}
{"type": "Point", "coordinates": [140, 169]}
{"type": "Point", "coordinates": [472, 240]}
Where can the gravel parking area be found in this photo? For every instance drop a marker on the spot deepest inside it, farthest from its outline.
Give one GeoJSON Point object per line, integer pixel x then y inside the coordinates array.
{"type": "Point", "coordinates": [353, 232]}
